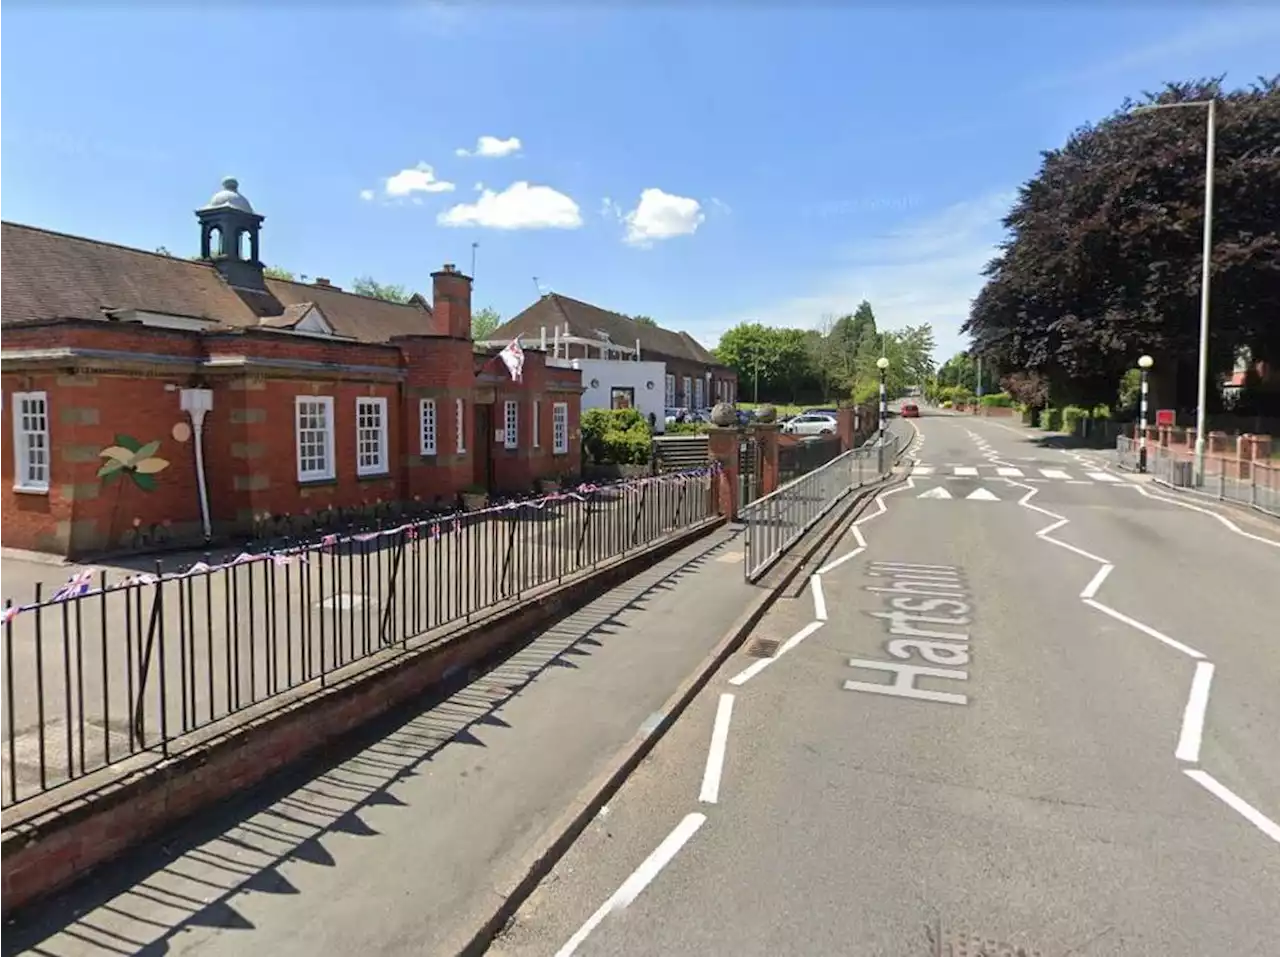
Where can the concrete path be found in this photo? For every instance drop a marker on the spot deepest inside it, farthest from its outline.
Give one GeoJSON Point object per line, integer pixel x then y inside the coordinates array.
{"type": "Point", "coordinates": [1090, 768]}
{"type": "Point", "coordinates": [393, 848]}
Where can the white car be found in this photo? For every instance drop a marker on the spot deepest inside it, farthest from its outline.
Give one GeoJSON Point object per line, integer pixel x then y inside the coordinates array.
{"type": "Point", "coordinates": [811, 425]}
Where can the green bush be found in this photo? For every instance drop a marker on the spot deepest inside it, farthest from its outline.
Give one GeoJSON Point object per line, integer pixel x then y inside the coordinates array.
{"type": "Point", "coordinates": [629, 447]}
{"type": "Point", "coordinates": [1071, 417]}
{"type": "Point", "coordinates": [1000, 400]}
{"type": "Point", "coordinates": [947, 403]}
{"type": "Point", "coordinates": [687, 428]}
{"type": "Point", "coordinates": [616, 436]}
{"type": "Point", "coordinates": [1049, 419]}
{"type": "Point", "coordinates": [1101, 412]}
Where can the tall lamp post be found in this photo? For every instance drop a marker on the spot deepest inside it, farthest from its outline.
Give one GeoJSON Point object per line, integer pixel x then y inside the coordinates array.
{"type": "Point", "coordinates": [1144, 364]}
{"type": "Point", "coordinates": [1202, 386]}
{"type": "Point", "coordinates": [883, 364]}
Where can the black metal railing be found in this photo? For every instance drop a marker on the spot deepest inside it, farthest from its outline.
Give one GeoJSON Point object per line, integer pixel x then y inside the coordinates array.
{"type": "Point", "coordinates": [798, 458]}
{"type": "Point", "coordinates": [98, 671]}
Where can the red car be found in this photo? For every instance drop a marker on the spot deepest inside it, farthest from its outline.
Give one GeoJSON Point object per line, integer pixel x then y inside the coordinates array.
{"type": "Point", "coordinates": [910, 410]}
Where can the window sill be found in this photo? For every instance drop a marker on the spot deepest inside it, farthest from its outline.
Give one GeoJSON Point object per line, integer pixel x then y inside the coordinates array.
{"type": "Point", "coordinates": [314, 482]}
{"type": "Point", "coordinates": [372, 476]}
{"type": "Point", "coordinates": [31, 490]}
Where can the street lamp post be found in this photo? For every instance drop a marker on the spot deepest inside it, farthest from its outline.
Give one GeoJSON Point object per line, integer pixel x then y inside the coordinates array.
{"type": "Point", "coordinates": [883, 364]}
{"type": "Point", "coordinates": [1144, 364]}
{"type": "Point", "coordinates": [1202, 386]}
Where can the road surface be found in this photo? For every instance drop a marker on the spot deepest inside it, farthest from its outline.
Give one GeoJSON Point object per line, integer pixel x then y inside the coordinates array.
{"type": "Point", "coordinates": [1028, 708]}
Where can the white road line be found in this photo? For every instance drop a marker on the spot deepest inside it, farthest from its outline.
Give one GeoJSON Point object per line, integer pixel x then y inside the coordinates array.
{"type": "Point", "coordinates": [910, 483]}
{"type": "Point", "coordinates": [819, 599]}
{"type": "Point", "coordinates": [966, 470]}
{"type": "Point", "coordinates": [922, 470]}
{"type": "Point", "coordinates": [1235, 802]}
{"type": "Point", "coordinates": [1145, 629]}
{"type": "Point", "coordinates": [1196, 508]}
{"type": "Point", "coordinates": [1095, 583]}
{"type": "Point", "coordinates": [756, 667]}
{"type": "Point", "coordinates": [832, 565]}
{"type": "Point", "coordinates": [1104, 477]}
{"type": "Point", "coordinates": [1054, 474]}
{"type": "Point", "coordinates": [1193, 716]}
{"type": "Point", "coordinates": [1009, 472]}
{"type": "Point", "coordinates": [715, 754]}
{"type": "Point", "coordinates": [640, 878]}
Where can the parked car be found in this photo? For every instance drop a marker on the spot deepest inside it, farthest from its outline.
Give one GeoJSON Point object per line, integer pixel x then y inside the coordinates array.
{"type": "Point", "coordinates": [830, 412]}
{"type": "Point", "coordinates": [676, 415]}
{"type": "Point", "coordinates": [910, 410]}
{"type": "Point", "coordinates": [811, 425]}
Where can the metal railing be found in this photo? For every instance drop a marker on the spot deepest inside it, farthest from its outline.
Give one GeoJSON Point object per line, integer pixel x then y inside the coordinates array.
{"type": "Point", "coordinates": [798, 458]}
{"type": "Point", "coordinates": [96, 672]}
{"type": "Point", "coordinates": [1253, 483]}
{"type": "Point", "coordinates": [778, 520]}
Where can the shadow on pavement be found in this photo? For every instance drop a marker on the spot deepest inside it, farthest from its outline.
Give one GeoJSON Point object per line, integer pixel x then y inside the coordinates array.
{"type": "Point", "coordinates": [196, 870]}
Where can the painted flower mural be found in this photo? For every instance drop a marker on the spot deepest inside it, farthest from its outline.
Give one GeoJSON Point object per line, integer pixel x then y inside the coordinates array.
{"type": "Point", "coordinates": [136, 459]}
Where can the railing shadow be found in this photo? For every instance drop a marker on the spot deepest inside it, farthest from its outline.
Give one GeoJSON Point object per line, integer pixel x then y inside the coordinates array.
{"type": "Point", "coordinates": [195, 871]}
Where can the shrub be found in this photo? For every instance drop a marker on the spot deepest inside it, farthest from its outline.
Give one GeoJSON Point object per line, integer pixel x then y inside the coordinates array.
{"type": "Point", "coordinates": [1000, 400]}
{"type": "Point", "coordinates": [627, 447]}
{"type": "Point", "coordinates": [616, 436]}
{"type": "Point", "coordinates": [1049, 419]}
{"type": "Point", "coordinates": [687, 428]}
{"type": "Point", "coordinates": [1072, 415]}
{"type": "Point", "coordinates": [1101, 412]}
{"type": "Point", "coordinates": [947, 403]}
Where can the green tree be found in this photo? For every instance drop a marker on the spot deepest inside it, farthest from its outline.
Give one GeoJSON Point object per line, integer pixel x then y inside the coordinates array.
{"type": "Point", "coordinates": [484, 322]}
{"type": "Point", "coordinates": [643, 320]}
{"type": "Point", "coordinates": [367, 286]}
{"type": "Point", "coordinates": [750, 349]}
{"type": "Point", "coordinates": [1103, 257]}
{"type": "Point", "coordinates": [275, 272]}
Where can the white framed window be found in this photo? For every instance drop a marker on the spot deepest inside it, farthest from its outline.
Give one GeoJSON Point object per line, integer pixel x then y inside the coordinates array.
{"type": "Point", "coordinates": [511, 424]}
{"type": "Point", "coordinates": [671, 390]}
{"type": "Point", "coordinates": [427, 420]}
{"type": "Point", "coordinates": [31, 441]}
{"type": "Point", "coordinates": [687, 399]}
{"type": "Point", "coordinates": [314, 428]}
{"type": "Point", "coordinates": [537, 425]}
{"type": "Point", "coordinates": [371, 436]}
{"type": "Point", "coordinates": [560, 428]}
{"type": "Point", "coordinates": [699, 396]}
{"type": "Point", "coordinates": [460, 426]}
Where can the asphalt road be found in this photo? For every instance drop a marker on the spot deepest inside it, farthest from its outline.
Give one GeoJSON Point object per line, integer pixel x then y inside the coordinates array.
{"type": "Point", "coordinates": [1092, 768]}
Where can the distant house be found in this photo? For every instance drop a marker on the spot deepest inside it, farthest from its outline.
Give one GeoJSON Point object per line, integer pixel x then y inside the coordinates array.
{"type": "Point", "coordinates": [155, 399]}
{"type": "Point", "coordinates": [571, 329]}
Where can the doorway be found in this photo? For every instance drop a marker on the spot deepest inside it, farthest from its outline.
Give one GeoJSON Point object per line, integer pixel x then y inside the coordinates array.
{"type": "Point", "coordinates": [482, 442]}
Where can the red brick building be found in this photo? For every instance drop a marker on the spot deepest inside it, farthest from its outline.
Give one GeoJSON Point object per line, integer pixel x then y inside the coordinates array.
{"type": "Point", "coordinates": [153, 399]}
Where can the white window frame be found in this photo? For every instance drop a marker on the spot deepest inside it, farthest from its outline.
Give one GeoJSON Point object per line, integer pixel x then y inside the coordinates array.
{"type": "Point", "coordinates": [26, 440]}
{"type": "Point", "coordinates": [560, 428]}
{"type": "Point", "coordinates": [428, 430]}
{"type": "Point", "coordinates": [688, 392]}
{"type": "Point", "coordinates": [460, 426]}
{"type": "Point", "coordinates": [327, 472]}
{"type": "Point", "coordinates": [381, 466]}
{"type": "Point", "coordinates": [671, 390]}
{"type": "Point", "coordinates": [537, 426]}
{"type": "Point", "coordinates": [511, 424]}
{"type": "Point", "coordinates": [700, 398]}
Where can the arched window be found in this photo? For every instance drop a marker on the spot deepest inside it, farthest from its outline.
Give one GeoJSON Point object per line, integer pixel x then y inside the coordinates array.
{"type": "Point", "coordinates": [245, 246]}
{"type": "Point", "coordinates": [215, 243]}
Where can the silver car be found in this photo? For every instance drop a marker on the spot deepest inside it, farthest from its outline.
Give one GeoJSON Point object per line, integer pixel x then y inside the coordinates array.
{"type": "Point", "coordinates": [811, 425]}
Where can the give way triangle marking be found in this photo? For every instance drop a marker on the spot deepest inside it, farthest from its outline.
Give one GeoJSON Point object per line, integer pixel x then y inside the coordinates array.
{"type": "Point", "coordinates": [936, 492]}
{"type": "Point", "coordinates": [982, 495]}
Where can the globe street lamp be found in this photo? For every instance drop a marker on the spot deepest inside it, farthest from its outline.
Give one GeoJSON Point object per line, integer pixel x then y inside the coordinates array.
{"type": "Point", "coordinates": [883, 364]}
{"type": "Point", "coordinates": [1144, 364]}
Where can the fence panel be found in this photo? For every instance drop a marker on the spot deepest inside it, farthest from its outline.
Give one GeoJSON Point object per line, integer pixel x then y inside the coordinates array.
{"type": "Point", "coordinates": [1244, 482]}
{"type": "Point", "coordinates": [96, 671]}
{"type": "Point", "coordinates": [778, 520]}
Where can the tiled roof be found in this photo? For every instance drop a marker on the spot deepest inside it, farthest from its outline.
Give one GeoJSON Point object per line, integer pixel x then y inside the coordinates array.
{"type": "Point", "coordinates": [589, 321]}
{"type": "Point", "coordinates": [48, 275]}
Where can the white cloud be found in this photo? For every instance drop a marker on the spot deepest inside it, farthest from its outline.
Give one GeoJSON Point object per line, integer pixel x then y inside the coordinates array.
{"type": "Point", "coordinates": [366, 194]}
{"type": "Point", "coordinates": [928, 270]}
{"type": "Point", "coordinates": [479, 187]}
{"type": "Point", "coordinates": [491, 146]}
{"type": "Point", "coordinates": [610, 210]}
{"type": "Point", "coordinates": [519, 206]}
{"type": "Point", "coordinates": [418, 179]}
{"type": "Point", "coordinates": [661, 215]}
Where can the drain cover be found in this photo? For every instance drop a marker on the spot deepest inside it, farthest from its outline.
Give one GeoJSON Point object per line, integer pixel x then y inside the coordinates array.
{"type": "Point", "coordinates": [763, 647]}
{"type": "Point", "coordinates": [952, 942]}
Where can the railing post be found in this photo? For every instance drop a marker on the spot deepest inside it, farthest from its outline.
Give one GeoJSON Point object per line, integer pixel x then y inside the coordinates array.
{"type": "Point", "coordinates": [722, 446]}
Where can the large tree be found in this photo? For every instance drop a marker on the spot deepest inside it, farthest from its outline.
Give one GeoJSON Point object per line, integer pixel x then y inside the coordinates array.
{"type": "Point", "coordinates": [368, 286]}
{"type": "Point", "coordinates": [484, 322]}
{"type": "Point", "coordinates": [1103, 258]}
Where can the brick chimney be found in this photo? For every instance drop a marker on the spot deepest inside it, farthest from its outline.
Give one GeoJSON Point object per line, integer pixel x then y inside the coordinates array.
{"type": "Point", "coordinates": [451, 303]}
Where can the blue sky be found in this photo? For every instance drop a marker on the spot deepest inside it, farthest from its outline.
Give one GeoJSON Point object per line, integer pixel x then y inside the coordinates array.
{"type": "Point", "coordinates": [702, 164]}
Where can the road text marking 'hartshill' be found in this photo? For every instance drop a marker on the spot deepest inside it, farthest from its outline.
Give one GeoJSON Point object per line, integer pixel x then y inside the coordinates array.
{"type": "Point", "coordinates": [927, 603]}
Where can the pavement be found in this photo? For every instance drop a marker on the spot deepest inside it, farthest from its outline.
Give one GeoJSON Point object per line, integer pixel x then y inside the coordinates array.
{"type": "Point", "coordinates": [395, 846]}
{"type": "Point", "coordinates": [1039, 719]}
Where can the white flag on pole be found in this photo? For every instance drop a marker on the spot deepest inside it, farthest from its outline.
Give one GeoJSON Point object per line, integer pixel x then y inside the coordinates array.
{"type": "Point", "coordinates": [513, 358]}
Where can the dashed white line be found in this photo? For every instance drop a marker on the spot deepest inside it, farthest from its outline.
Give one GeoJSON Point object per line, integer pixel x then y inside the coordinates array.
{"type": "Point", "coordinates": [1104, 477]}
{"type": "Point", "coordinates": [1193, 716]}
{"type": "Point", "coordinates": [1009, 472]}
{"type": "Point", "coordinates": [1054, 474]}
{"type": "Point", "coordinates": [966, 470]}
{"type": "Point", "coordinates": [640, 878]}
{"type": "Point", "coordinates": [715, 754]}
{"type": "Point", "coordinates": [819, 599]}
{"type": "Point", "coordinates": [1235, 802]}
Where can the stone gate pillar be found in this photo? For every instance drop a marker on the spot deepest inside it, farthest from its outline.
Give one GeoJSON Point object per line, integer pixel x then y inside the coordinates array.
{"type": "Point", "coordinates": [722, 444]}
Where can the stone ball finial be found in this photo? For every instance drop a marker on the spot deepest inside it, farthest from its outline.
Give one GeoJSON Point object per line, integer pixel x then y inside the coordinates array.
{"type": "Point", "coordinates": [723, 415]}
{"type": "Point", "coordinates": [766, 414]}
{"type": "Point", "coordinates": [231, 183]}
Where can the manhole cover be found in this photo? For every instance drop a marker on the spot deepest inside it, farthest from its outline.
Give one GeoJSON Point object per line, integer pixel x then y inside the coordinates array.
{"type": "Point", "coordinates": [763, 647]}
{"type": "Point", "coordinates": [952, 942]}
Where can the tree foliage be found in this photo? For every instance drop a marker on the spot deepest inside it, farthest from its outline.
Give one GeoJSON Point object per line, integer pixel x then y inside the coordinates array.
{"type": "Point", "coordinates": [275, 272]}
{"type": "Point", "coordinates": [644, 320]}
{"type": "Point", "coordinates": [368, 286]}
{"type": "Point", "coordinates": [483, 322]}
{"type": "Point", "coordinates": [1102, 261]}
